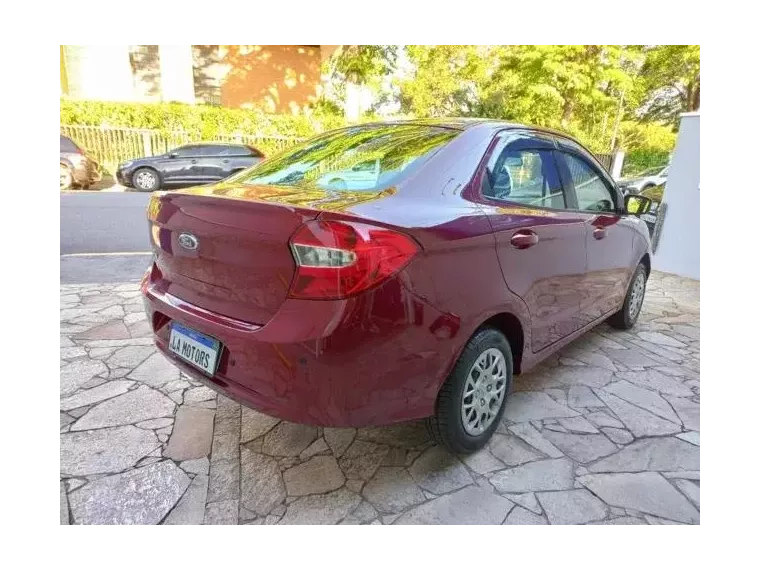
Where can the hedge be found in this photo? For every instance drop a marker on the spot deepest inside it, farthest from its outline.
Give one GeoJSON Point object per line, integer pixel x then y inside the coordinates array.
{"type": "Point", "coordinates": [205, 119]}
{"type": "Point", "coordinates": [637, 161]}
{"type": "Point", "coordinates": [208, 121]}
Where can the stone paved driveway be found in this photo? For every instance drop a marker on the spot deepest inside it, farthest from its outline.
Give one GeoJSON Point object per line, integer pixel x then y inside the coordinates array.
{"type": "Point", "coordinates": [607, 432]}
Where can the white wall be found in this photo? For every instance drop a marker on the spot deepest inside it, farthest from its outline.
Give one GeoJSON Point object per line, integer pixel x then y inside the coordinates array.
{"type": "Point", "coordinates": [99, 72]}
{"type": "Point", "coordinates": [177, 73]}
{"type": "Point", "coordinates": [678, 250]}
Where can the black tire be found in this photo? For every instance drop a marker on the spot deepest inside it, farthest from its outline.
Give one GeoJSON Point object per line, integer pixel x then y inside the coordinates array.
{"type": "Point", "coordinates": [623, 319]}
{"type": "Point", "coordinates": [142, 176]}
{"type": "Point", "coordinates": [446, 426]}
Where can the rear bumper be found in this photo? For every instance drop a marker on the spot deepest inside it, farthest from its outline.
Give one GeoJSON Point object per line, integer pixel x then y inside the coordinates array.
{"type": "Point", "coordinates": [372, 360]}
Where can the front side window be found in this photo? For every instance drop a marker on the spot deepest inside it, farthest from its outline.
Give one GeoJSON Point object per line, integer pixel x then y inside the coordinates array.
{"type": "Point", "coordinates": [361, 158]}
{"type": "Point", "coordinates": [186, 151]}
{"type": "Point", "coordinates": [524, 176]}
{"type": "Point", "coordinates": [213, 150]}
{"type": "Point", "coordinates": [592, 192]}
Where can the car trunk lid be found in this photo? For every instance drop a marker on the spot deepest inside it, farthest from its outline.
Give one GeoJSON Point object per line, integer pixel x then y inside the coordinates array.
{"type": "Point", "coordinates": [225, 248]}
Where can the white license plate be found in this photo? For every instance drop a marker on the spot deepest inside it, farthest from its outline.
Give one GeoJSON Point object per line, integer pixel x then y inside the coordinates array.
{"type": "Point", "coordinates": [651, 218]}
{"type": "Point", "coordinates": [195, 348]}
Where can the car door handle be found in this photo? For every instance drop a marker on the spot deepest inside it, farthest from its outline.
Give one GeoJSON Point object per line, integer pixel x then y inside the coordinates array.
{"type": "Point", "coordinates": [600, 233]}
{"type": "Point", "coordinates": [225, 161]}
{"type": "Point", "coordinates": [523, 239]}
{"type": "Point", "coordinates": [193, 161]}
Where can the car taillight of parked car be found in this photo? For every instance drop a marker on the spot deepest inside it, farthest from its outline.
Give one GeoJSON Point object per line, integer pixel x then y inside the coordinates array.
{"type": "Point", "coordinates": [335, 260]}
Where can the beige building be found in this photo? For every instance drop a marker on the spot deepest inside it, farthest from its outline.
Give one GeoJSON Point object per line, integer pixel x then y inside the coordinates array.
{"type": "Point", "coordinates": [278, 79]}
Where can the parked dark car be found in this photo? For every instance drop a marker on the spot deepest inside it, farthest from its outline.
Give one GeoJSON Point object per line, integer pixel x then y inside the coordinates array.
{"type": "Point", "coordinates": [77, 169]}
{"type": "Point", "coordinates": [475, 250]}
{"type": "Point", "coordinates": [189, 165]}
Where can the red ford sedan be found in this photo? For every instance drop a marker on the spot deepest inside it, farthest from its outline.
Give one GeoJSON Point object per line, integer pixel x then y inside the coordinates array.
{"type": "Point", "coordinates": [394, 271]}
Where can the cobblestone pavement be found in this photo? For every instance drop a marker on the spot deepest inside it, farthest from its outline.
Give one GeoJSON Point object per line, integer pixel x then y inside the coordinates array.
{"type": "Point", "coordinates": [606, 432]}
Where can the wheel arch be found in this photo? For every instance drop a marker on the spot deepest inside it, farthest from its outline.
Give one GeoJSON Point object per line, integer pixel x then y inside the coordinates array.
{"type": "Point", "coordinates": [147, 167]}
{"type": "Point", "coordinates": [511, 327]}
{"type": "Point", "coordinates": [647, 262]}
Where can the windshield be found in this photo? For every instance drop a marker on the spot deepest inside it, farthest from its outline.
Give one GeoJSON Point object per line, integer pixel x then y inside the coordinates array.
{"type": "Point", "coordinates": [363, 158]}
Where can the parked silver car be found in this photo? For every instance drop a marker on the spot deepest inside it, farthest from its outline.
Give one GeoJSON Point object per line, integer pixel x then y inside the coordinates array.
{"type": "Point", "coordinates": [647, 179]}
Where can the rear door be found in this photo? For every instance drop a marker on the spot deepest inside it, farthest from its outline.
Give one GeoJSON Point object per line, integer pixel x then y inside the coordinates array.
{"type": "Point", "coordinates": [541, 242]}
{"type": "Point", "coordinates": [213, 162]}
{"type": "Point", "coordinates": [608, 233]}
{"type": "Point", "coordinates": [234, 157]}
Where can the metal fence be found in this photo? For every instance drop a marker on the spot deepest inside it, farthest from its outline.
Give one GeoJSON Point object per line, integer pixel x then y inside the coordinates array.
{"type": "Point", "coordinates": [606, 160]}
{"type": "Point", "coordinates": [112, 145]}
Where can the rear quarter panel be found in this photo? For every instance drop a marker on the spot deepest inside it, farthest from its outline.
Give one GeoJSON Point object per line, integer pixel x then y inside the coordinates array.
{"type": "Point", "coordinates": [457, 275]}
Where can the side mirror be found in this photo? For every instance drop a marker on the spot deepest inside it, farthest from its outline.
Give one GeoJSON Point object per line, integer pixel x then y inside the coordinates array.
{"type": "Point", "coordinates": [636, 204]}
{"type": "Point", "coordinates": [173, 155]}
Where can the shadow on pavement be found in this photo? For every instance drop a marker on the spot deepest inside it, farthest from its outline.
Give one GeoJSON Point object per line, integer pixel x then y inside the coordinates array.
{"type": "Point", "coordinates": [116, 269]}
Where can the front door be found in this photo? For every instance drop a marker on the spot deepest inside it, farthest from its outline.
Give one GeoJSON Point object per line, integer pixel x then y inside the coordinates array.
{"type": "Point", "coordinates": [609, 234]}
{"type": "Point", "coordinates": [541, 242]}
{"type": "Point", "coordinates": [179, 165]}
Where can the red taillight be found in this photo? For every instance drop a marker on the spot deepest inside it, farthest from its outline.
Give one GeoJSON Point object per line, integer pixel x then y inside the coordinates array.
{"type": "Point", "coordinates": [335, 260]}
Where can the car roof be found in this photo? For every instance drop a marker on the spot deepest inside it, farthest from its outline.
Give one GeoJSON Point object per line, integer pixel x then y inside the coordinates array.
{"type": "Point", "coordinates": [467, 123]}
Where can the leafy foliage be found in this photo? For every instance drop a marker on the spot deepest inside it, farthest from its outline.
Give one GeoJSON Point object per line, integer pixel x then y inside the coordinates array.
{"type": "Point", "coordinates": [606, 95]}
{"type": "Point", "coordinates": [637, 161]}
{"type": "Point", "coordinates": [670, 76]}
{"type": "Point", "coordinates": [364, 65]}
{"type": "Point", "coordinates": [361, 63]}
{"type": "Point", "coordinates": [204, 119]}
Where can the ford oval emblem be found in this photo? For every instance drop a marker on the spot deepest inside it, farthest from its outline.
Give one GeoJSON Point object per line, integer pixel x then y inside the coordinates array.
{"type": "Point", "coordinates": [188, 241]}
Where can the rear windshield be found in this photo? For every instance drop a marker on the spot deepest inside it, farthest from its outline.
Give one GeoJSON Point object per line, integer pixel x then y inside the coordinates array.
{"type": "Point", "coordinates": [362, 158]}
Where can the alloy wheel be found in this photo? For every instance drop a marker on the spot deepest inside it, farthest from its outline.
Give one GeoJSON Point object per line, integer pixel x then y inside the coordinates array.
{"type": "Point", "coordinates": [637, 295]}
{"type": "Point", "coordinates": [484, 391]}
{"type": "Point", "coordinates": [145, 180]}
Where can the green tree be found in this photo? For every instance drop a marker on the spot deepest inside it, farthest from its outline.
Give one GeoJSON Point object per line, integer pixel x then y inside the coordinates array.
{"type": "Point", "coordinates": [609, 96]}
{"type": "Point", "coordinates": [358, 65]}
{"type": "Point", "coordinates": [670, 77]}
{"type": "Point", "coordinates": [447, 80]}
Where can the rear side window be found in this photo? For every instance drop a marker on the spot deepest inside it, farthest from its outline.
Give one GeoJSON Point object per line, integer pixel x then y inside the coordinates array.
{"type": "Point", "coordinates": [527, 177]}
{"type": "Point", "coordinates": [362, 158]}
{"type": "Point", "coordinates": [236, 150]}
{"type": "Point", "coordinates": [591, 191]}
{"type": "Point", "coordinates": [67, 145]}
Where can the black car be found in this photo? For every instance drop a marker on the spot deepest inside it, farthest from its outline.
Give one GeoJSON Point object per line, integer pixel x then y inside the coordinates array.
{"type": "Point", "coordinates": [197, 163]}
{"type": "Point", "coordinates": [77, 169]}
